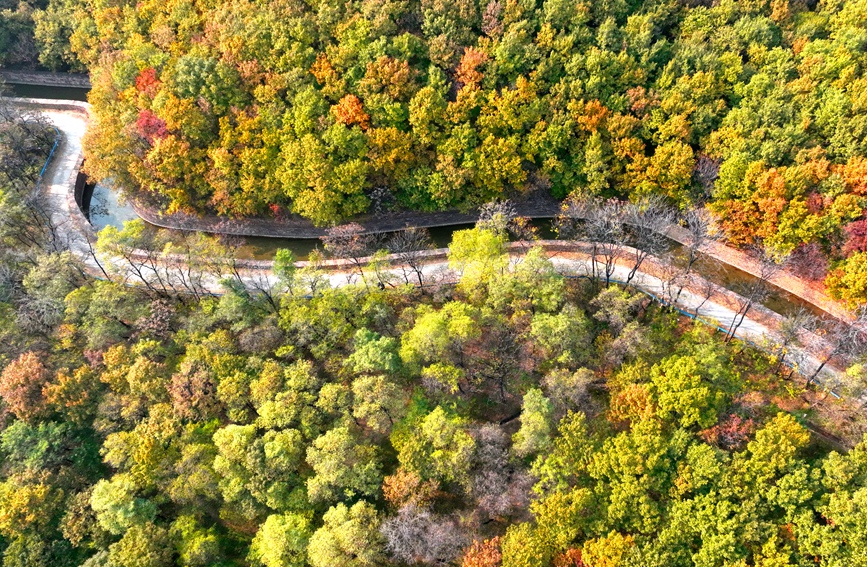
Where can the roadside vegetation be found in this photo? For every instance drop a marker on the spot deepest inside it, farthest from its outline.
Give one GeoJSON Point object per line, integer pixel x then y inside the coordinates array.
{"type": "Point", "coordinates": [517, 418]}
{"type": "Point", "coordinates": [514, 418]}
{"type": "Point", "coordinates": [511, 418]}
{"type": "Point", "coordinates": [329, 110]}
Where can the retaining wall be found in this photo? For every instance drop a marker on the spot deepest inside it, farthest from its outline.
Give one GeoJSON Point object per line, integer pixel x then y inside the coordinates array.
{"type": "Point", "coordinates": [295, 226]}
{"type": "Point", "coordinates": [46, 79]}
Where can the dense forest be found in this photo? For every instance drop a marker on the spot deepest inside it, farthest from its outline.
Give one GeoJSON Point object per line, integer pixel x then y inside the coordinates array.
{"type": "Point", "coordinates": [331, 109]}
{"type": "Point", "coordinates": [364, 428]}
{"type": "Point", "coordinates": [35, 34]}
{"type": "Point", "coordinates": [517, 418]}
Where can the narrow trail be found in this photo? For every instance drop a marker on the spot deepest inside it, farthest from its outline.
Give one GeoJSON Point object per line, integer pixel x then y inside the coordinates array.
{"type": "Point", "coordinates": [759, 326]}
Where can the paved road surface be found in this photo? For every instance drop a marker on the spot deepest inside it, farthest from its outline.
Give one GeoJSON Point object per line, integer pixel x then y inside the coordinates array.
{"type": "Point", "coordinates": [71, 121]}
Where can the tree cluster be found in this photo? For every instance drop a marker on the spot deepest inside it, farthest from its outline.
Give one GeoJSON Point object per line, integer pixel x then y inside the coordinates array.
{"type": "Point", "coordinates": [331, 110]}
{"type": "Point", "coordinates": [517, 418]}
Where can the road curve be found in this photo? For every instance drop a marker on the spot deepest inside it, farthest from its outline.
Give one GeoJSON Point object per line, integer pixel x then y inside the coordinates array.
{"type": "Point", "coordinates": [70, 118]}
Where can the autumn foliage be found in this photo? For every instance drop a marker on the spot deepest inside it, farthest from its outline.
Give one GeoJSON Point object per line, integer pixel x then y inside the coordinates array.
{"type": "Point", "coordinates": [483, 554]}
{"type": "Point", "coordinates": [349, 111]}
{"type": "Point", "coordinates": [452, 104]}
{"type": "Point", "coordinates": [21, 384]}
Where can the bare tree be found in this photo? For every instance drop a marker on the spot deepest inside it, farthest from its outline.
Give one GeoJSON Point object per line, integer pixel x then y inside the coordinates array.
{"type": "Point", "coordinates": [408, 247]}
{"type": "Point", "coordinates": [134, 258]}
{"type": "Point", "coordinates": [496, 216]}
{"type": "Point", "coordinates": [810, 261]}
{"type": "Point", "coordinates": [222, 260]}
{"type": "Point", "coordinates": [648, 222]}
{"type": "Point", "coordinates": [498, 486]}
{"type": "Point", "coordinates": [351, 242]}
{"type": "Point", "coordinates": [187, 259]}
{"type": "Point", "coordinates": [25, 137]}
{"type": "Point", "coordinates": [672, 278]}
{"type": "Point", "coordinates": [632, 342]}
{"type": "Point", "coordinates": [91, 254]}
{"type": "Point", "coordinates": [524, 231]}
{"type": "Point", "coordinates": [416, 535]}
{"type": "Point", "coordinates": [792, 330]}
{"type": "Point", "coordinates": [312, 276]}
{"type": "Point", "coordinates": [502, 217]}
{"type": "Point", "coordinates": [705, 288]}
{"type": "Point", "coordinates": [570, 390]}
{"type": "Point", "coordinates": [262, 285]}
{"type": "Point", "coordinates": [601, 224]}
{"type": "Point", "coordinates": [699, 226]}
{"type": "Point", "coordinates": [847, 340]}
{"type": "Point", "coordinates": [755, 290]}
{"type": "Point", "coordinates": [706, 172]}
{"type": "Point", "coordinates": [174, 263]}
{"type": "Point", "coordinates": [607, 231]}
{"type": "Point", "coordinates": [678, 266]}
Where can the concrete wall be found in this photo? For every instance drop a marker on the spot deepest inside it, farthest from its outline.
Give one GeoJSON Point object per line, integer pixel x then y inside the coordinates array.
{"type": "Point", "coordinates": [82, 192]}
{"type": "Point", "coordinates": [46, 79]}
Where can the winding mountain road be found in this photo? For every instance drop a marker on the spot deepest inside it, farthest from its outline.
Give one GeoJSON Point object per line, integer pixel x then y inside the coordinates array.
{"type": "Point", "coordinates": [759, 326]}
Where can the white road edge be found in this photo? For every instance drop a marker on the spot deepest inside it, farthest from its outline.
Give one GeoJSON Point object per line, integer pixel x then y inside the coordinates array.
{"type": "Point", "coordinates": [70, 118]}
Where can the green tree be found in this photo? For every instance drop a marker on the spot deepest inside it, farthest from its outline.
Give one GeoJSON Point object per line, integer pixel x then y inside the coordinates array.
{"type": "Point", "coordinates": [565, 463]}
{"type": "Point", "coordinates": [145, 545]}
{"type": "Point", "coordinates": [563, 338]}
{"type": "Point", "coordinates": [256, 472]}
{"type": "Point", "coordinates": [685, 393]}
{"type": "Point", "coordinates": [437, 447]}
{"type": "Point", "coordinates": [349, 537]}
{"type": "Point", "coordinates": [281, 541]}
{"type": "Point", "coordinates": [343, 468]}
{"type": "Point", "coordinates": [373, 353]}
{"type": "Point", "coordinates": [117, 506]}
{"type": "Point", "coordinates": [105, 312]}
{"type": "Point", "coordinates": [478, 255]}
{"type": "Point", "coordinates": [195, 545]}
{"type": "Point", "coordinates": [439, 336]}
{"type": "Point", "coordinates": [534, 436]}
{"type": "Point", "coordinates": [533, 284]}
{"type": "Point", "coordinates": [53, 27]}
{"type": "Point", "coordinates": [377, 402]}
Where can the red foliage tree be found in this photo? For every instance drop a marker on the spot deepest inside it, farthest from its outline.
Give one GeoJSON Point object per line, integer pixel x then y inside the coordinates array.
{"type": "Point", "coordinates": [730, 433]}
{"type": "Point", "coordinates": [854, 174]}
{"type": "Point", "coordinates": [469, 70]}
{"type": "Point", "coordinates": [150, 126]}
{"type": "Point", "coordinates": [856, 237]}
{"type": "Point", "coordinates": [809, 261]}
{"type": "Point", "coordinates": [349, 111]}
{"type": "Point", "coordinates": [569, 558]}
{"type": "Point", "coordinates": [194, 393]}
{"type": "Point", "coordinates": [147, 82]}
